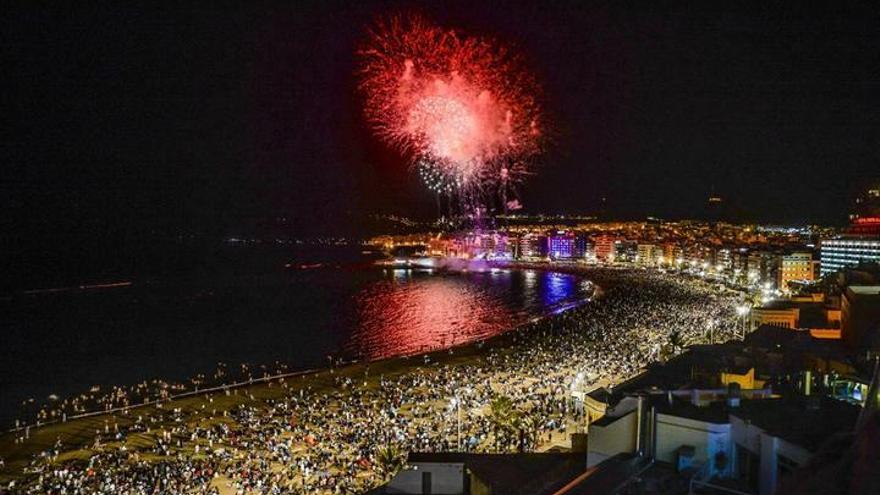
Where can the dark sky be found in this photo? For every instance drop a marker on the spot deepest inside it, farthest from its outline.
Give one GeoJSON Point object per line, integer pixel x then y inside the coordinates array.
{"type": "Point", "coordinates": [121, 121]}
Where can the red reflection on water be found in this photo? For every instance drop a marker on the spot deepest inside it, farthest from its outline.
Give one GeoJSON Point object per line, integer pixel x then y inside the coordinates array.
{"type": "Point", "coordinates": [409, 315]}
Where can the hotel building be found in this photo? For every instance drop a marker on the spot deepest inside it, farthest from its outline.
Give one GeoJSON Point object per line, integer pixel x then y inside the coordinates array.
{"type": "Point", "coordinates": [861, 243]}
{"type": "Point", "coordinates": [794, 267]}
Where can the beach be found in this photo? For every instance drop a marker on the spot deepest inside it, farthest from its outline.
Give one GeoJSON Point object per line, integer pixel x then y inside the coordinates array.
{"type": "Point", "coordinates": [331, 431]}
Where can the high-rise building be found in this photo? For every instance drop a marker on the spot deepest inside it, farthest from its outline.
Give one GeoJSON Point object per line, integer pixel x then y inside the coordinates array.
{"type": "Point", "coordinates": [861, 242]}
{"type": "Point", "coordinates": [848, 251]}
{"type": "Point", "coordinates": [867, 205]}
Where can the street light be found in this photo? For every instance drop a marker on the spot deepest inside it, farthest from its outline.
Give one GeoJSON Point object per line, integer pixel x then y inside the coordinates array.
{"type": "Point", "coordinates": [577, 380]}
{"type": "Point", "coordinates": [742, 311]}
{"type": "Point", "coordinates": [455, 402]}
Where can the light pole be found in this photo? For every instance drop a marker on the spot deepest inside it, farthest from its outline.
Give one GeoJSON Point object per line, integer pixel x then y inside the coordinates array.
{"type": "Point", "coordinates": [742, 311]}
{"type": "Point", "coordinates": [456, 403]}
{"type": "Point", "coordinates": [578, 379]}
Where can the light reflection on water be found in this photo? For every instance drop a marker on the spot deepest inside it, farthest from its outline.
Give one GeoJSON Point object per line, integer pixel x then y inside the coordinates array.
{"type": "Point", "coordinates": [412, 311]}
{"type": "Point", "coordinates": [560, 287]}
{"type": "Point", "coordinates": [65, 343]}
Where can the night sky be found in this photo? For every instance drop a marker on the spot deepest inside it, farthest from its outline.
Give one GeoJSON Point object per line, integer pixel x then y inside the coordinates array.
{"type": "Point", "coordinates": [125, 122]}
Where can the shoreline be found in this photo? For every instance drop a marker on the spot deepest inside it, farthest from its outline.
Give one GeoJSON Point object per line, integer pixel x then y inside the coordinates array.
{"type": "Point", "coordinates": [77, 430]}
{"type": "Point", "coordinates": [76, 433]}
{"type": "Point", "coordinates": [328, 421]}
{"type": "Point", "coordinates": [337, 361]}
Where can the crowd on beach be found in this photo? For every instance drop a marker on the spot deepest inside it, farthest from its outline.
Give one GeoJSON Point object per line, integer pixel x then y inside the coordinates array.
{"type": "Point", "coordinates": [98, 399]}
{"type": "Point", "coordinates": [351, 437]}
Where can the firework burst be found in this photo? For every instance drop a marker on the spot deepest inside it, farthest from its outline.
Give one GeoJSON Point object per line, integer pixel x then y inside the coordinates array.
{"type": "Point", "coordinates": [461, 108]}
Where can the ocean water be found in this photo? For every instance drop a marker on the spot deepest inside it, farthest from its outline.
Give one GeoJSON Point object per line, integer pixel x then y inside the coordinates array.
{"type": "Point", "coordinates": [292, 309]}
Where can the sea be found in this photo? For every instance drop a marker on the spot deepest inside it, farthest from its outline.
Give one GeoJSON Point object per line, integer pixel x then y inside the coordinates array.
{"type": "Point", "coordinates": [298, 305]}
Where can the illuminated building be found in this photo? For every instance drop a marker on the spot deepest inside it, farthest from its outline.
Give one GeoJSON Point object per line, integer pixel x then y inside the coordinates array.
{"type": "Point", "coordinates": [699, 256]}
{"type": "Point", "coordinates": [848, 251]}
{"type": "Point", "coordinates": [625, 250]}
{"type": "Point", "coordinates": [867, 207]}
{"type": "Point", "coordinates": [796, 266]}
{"type": "Point", "coordinates": [438, 246]}
{"type": "Point", "coordinates": [861, 243]}
{"type": "Point", "coordinates": [647, 254]}
{"type": "Point", "coordinates": [761, 266]}
{"type": "Point", "coordinates": [723, 259]}
{"type": "Point", "coordinates": [561, 245]}
{"type": "Point", "coordinates": [582, 246]}
{"type": "Point", "coordinates": [513, 246]}
{"type": "Point", "coordinates": [740, 260]}
{"type": "Point", "coordinates": [604, 247]}
{"type": "Point", "coordinates": [533, 246]}
{"type": "Point", "coordinates": [669, 252]}
{"type": "Point", "coordinates": [865, 226]}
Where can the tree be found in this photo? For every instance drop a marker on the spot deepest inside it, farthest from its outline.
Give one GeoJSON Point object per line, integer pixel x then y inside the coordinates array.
{"type": "Point", "coordinates": [504, 416]}
{"type": "Point", "coordinates": [389, 460]}
{"type": "Point", "coordinates": [677, 342]}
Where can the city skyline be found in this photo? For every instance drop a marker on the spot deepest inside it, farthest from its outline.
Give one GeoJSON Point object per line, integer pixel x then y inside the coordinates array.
{"type": "Point", "coordinates": [156, 123]}
{"type": "Point", "coordinates": [337, 247]}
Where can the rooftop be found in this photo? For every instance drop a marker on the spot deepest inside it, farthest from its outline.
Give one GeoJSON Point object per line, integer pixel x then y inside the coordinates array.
{"type": "Point", "coordinates": [778, 304]}
{"type": "Point", "coordinates": [513, 474]}
{"type": "Point", "coordinates": [715, 412]}
{"type": "Point", "coordinates": [609, 477]}
{"type": "Point", "coordinates": [600, 394]}
{"type": "Point", "coordinates": [865, 290]}
{"type": "Point", "coordinates": [813, 315]}
{"type": "Point", "coordinates": [804, 421]}
{"type": "Point", "coordinates": [608, 419]}
{"type": "Point", "coordinates": [793, 420]}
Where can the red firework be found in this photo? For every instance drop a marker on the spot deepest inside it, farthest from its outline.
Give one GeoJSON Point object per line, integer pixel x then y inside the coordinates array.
{"type": "Point", "coordinates": [465, 104]}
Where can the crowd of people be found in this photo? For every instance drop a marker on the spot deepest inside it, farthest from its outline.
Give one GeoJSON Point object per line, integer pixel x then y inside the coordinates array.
{"type": "Point", "coordinates": [99, 399]}
{"type": "Point", "coordinates": [351, 437]}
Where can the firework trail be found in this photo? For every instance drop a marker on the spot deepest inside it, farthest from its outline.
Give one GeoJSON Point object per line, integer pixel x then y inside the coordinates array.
{"type": "Point", "coordinates": [461, 108]}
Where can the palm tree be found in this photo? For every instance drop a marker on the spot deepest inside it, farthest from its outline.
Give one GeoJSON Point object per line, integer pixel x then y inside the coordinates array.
{"type": "Point", "coordinates": [389, 460]}
{"type": "Point", "coordinates": [676, 343]}
{"type": "Point", "coordinates": [504, 416]}
{"type": "Point", "coordinates": [679, 340]}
